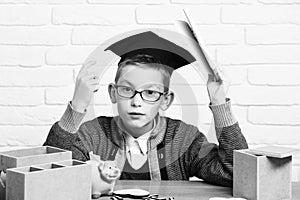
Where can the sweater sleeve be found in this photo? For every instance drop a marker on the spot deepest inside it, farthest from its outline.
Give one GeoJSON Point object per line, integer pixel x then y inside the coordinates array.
{"type": "Point", "coordinates": [71, 119]}
{"type": "Point", "coordinates": [60, 138]}
{"type": "Point", "coordinates": [214, 163]}
{"type": "Point", "coordinates": [69, 135]}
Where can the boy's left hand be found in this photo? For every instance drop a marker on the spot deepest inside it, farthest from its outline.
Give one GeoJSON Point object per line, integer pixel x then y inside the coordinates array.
{"type": "Point", "coordinates": [216, 89]}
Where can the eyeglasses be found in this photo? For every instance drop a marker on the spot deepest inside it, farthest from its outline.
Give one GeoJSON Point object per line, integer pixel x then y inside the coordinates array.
{"type": "Point", "coordinates": [146, 95]}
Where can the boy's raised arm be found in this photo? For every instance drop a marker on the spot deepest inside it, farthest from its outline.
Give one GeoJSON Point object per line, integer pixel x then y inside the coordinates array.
{"type": "Point", "coordinates": [210, 162]}
{"type": "Point", "coordinates": [63, 134]}
{"type": "Point", "coordinates": [214, 163]}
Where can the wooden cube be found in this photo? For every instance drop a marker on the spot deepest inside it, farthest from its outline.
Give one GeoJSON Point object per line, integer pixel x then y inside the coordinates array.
{"type": "Point", "coordinates": [53, 181]}
{"type": "Point", "coordinates": [259, 177]}
{"type": "Point", "coordinates": [32, 156]}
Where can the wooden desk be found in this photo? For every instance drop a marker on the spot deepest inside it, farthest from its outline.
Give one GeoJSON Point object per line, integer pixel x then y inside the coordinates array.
{"type": "Point", "coordinates": [186, 190]}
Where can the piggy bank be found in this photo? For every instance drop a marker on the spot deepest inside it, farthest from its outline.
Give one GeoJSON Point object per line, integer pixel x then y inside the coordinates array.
{"type": "Point", "coordinates": [104, 176]}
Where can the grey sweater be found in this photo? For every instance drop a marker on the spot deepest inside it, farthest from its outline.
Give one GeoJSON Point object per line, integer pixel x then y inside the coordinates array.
{"type": "Point", "coordinates": [176, 150]}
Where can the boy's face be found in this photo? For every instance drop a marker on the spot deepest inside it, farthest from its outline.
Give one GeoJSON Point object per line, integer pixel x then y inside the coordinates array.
{"type": "Point", "coordinates": [139, 79]}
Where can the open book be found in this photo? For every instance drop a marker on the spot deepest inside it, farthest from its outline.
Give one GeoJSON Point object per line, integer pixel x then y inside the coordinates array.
{"type": "Point", "coordinates": [188, 28]}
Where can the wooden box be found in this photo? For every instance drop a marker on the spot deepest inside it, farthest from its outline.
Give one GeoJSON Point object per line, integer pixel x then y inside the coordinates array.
{"type": "Point", "coordinates": [259, 177]}
{"type": "Point", "coordinates": [53, 181]}
{"type": "Point", "coordinates": [32, 156]}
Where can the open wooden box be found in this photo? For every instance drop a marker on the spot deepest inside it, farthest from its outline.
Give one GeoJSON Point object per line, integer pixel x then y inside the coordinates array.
{"type": "Point", "coordinates": [69, 179]}
{"type": "Point", "coordinates": [44, 173]}
{"type": "Point", "coordinates": [258, 176]}
{"type": "Point", "coordinates": [32, 156]}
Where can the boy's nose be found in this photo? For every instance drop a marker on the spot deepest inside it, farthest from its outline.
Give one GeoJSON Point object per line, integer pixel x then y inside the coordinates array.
{"type": "Point", "coordinates": [137, 100]}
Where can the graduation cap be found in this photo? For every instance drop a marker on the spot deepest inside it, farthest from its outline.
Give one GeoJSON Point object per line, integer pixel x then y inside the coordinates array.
{"type": "Point", "coordinates": [149, 43]}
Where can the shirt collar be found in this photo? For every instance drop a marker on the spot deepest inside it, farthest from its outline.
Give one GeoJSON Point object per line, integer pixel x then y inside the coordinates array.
{"type": "Point", "coordinates": [142, 140]}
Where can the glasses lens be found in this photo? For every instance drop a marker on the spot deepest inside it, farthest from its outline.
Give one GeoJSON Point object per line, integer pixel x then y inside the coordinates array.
{"type": "Point", "coordinates": [125, 91]}
{"type": "Point", "coordinates": [150, 95]}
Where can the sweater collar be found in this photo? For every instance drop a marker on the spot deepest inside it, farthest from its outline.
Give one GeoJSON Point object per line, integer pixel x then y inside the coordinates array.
{"type": "Point", "coordinates": [156, 136]}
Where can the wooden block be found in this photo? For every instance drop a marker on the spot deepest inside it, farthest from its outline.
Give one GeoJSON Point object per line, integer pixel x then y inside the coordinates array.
{"type": "Point", "coordinates": [275, 151]}
{"type": "Point", "coordinates": [32, 156]}
{"type": "Point", "coordinates": [258, 177]}
{"type": "Point", "coordinates": [69, 179]}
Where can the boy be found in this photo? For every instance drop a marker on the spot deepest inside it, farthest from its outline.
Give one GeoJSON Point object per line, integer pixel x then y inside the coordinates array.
{"type": "Point", "coordinates": [144, 144]}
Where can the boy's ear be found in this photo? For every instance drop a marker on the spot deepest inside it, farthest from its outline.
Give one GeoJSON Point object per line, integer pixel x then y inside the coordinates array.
{"type": "Point", "coordinates": [112, 93]}
{"type": "Point", "coordinates": [167, 101]}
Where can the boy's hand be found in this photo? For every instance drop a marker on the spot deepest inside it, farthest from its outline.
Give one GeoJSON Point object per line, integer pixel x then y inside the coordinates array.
{"type": "Point", "coordinates": [86, 85]}
{"type": "Point", "coordinates": [216, 89]}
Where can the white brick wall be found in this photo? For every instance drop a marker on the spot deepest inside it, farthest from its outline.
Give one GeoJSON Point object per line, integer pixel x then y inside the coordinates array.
{"type": "Point", "coordinates": [44, 42]}
{"type": "Point", "coordinates": [13, 15]}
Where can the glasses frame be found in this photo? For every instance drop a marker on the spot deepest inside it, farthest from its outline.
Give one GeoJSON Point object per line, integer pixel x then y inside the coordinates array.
{"type": "Point", "coordinates": [140, 93]}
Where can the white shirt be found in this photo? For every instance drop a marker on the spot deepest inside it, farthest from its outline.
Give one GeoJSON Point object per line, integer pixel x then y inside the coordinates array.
{"type": "Point", "coordinates": [136, 149]}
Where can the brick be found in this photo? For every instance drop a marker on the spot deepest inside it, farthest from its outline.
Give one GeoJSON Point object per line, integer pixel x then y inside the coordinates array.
{"type": "Point", "coordinates": [34, 36]}
{"type": "Point", "coordinates": [36, 77]}
{"type": "Point", "coordinates": [237, 75]}
{"type": "Point", "coordinates": [58, 96]}
{"type": "Point", "coordinates": [263, 95]}
{"type": "Point", "coordinates": [20, 55]}
{"type": "Point", "coordinates": [25, 15]}
{"type": "Point", "coordinates": [189, 75]}
{"type": "Point", "coordinates": [12, 1]}
{"type": "Point", "coordinates": [40, 115]}
{"type": "Point", "coordinates": [297, 159]}
{"type": "Point", "coordinates": [221, 35]}
{"type": "Point", "coordinates": [21, 96]}
{"type": "Point", "coordinates": [23, 135]}
{"type": "Point", "coordinates": [167, 14]}
{"type": "Point", "coordinates": [190, 95]}
{"type": "Point", "coordinates": [73, 55]}
{"type": "Point", "coordinates": [92, 35]}
{"type": "Point", "coordinates": [258, 54]}
{"type": "Point", "coordinates": [93, 15]}
{"type": "Point", "coordinates": [295, 172]}
{"type": "Point", "coordinates": [274, 115]}
{"type": "Point", "coordinates": [279, 1]}
{"type": "Point", "coordinates": [245, 14]}
{"type": "Point", "coordinates": [271, 135]}
{"type": "Point", "coordinates": [273, 34]}
{"type": "Point", "coordinates": [127, 1]}
{"type": "Point", "coordinates": [240, 113]}
{"type": "Point", "coordinates": [275, 75]}
{"type": "Point", "coordinates": [206, 1]}
{"type": "Point", "coordinates": [42, 1]}
{"type": "Point", "coordinates": [55, 1]}
{"type": "Point", "coordinates": [8, 148]}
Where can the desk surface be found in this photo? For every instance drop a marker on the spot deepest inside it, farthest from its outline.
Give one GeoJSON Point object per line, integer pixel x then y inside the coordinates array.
{"type": "Point", "coordinates": [187, 190]}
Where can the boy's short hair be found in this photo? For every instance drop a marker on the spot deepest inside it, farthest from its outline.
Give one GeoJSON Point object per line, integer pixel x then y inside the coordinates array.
{"type": "Point", "coordinates": [141, 60]}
